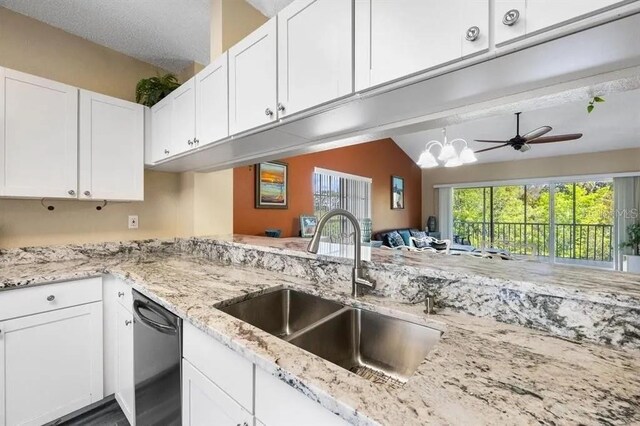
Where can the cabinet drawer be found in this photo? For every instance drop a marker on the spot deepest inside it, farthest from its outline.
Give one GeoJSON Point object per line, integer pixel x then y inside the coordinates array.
{"type": "Point", "coordinates": [124, 294]}
{"type": "Point", "coordinates": [33, 300]}
{"type": "Point", "coordinates": [228, 370]}
{"type": "Point", "coordinates": [279, 404]}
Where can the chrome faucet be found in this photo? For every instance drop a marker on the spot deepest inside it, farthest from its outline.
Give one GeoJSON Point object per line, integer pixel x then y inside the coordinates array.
{"type": "Point", "coordinates": [357, 279]}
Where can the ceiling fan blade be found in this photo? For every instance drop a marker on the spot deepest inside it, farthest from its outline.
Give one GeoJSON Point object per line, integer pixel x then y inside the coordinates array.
{"type": "Point", "coordinates": [537, 133]}
{"type": "Point", "coordinates": [558, 138]}
{"type": "Point", "coordinates": [493, 147]}
{"type": "Point", "coordinates": [490, 141]}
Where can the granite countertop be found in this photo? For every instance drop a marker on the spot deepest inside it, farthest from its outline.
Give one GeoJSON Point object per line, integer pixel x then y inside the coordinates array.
{"type": "Point", "coordinates": [481, 372]}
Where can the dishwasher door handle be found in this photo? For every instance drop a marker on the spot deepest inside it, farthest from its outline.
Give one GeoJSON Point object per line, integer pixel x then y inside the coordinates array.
{"type": "Point", "coordinates": [167, 329]}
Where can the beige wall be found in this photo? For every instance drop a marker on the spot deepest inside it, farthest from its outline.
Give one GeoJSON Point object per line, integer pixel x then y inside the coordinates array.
{"type": "Point", "coordinates": [31, 46]}
{"type": "Point", "coordinates": [620, 161]}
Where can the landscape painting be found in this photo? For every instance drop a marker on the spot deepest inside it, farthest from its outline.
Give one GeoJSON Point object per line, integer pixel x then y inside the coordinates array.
{"type": "Point", "coordinates": [397, 192]}
{"type": "Point", "coordinates": [271, 186]}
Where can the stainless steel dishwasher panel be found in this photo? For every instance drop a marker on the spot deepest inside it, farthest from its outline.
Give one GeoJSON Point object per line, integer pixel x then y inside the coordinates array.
{"type": "Point", "coordinates": [157, 363]}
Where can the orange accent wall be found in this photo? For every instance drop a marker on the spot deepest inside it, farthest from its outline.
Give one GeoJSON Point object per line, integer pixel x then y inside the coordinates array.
{"type": "Point", "coordinates": [378, 160]}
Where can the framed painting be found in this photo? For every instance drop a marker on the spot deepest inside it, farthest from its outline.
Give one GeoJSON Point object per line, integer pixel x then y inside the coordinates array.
{"type": "Point", "coordinates": [308, 226]}
{"type": "Point", "coordinates": [272, 185]}
{"type": "Point", "coordinates": [397, 193]}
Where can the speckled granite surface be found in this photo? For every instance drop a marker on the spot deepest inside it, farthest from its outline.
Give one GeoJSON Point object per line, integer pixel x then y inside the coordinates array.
{"type": "Point", "coordinates": [571, 302]}
{"type": "Point", "coordinates": [481, 372]}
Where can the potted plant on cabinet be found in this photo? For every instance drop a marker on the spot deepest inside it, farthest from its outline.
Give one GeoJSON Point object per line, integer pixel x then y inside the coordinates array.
{"type": "Point", "coordinates": [631, 263]}
{"type": "Point", "coordinates": [150, 91]}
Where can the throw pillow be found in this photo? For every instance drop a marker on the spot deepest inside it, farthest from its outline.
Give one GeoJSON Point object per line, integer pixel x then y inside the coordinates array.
{"type": "Point", "coordinates": [394, 239]}
{"type": "Point", "coordinates": [406, 237]}
{"type": "Point", "coordinates": [421, 240]}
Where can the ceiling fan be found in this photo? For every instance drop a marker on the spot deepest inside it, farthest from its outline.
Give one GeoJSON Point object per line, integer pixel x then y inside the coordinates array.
{"type": "Point", "coordinates": [523, 143]}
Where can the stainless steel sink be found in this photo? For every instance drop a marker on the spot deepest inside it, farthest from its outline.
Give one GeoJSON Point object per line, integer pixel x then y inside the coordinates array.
{"type": "Point", "coordinates": [282, 312]}
{"type": "Point", "coordinates": [375, 346]}
{"type": "Point", "coordinates": [378, 347]}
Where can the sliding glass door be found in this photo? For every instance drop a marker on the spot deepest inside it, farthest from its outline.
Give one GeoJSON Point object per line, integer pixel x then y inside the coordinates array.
{"type": "Point", "coordinates": [561, 222]}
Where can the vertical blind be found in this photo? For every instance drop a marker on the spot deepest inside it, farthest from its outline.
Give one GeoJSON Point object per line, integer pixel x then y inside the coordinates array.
{"type": "Point", "coordinates": [332, 190]}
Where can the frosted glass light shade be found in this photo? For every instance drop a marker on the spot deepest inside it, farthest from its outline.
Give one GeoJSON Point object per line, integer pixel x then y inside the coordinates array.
{"type": "Point", "coordinates": [447, 153]}
{"type": "Point", "coordinates": [427, 160]}
{"type": "Point", "coordinates": [453, 162]}
{"type": "Point", "coordinates": [467, 156]}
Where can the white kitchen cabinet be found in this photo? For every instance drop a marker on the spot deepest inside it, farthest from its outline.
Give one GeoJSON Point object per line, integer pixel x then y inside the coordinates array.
{"type": "Point", "coordinates": [111, 148]}
{"type": "Point", "coordinates": [125, 385]}
{"type": "Point", "coordinates": [515, 19]}
{"type": "Point", "coordinates": [183, 118]}
{"type": "Point", "coordinates": [396, 38]}
{"type": "Point", "coordinates": [315, 53]}
{"type": "Point", "coordinates": [38, 137]}
{"type": "Point", "coordinates": [204, 403]}
{"type": "Point", "coordinates": [50, 364]}
{"type": "Point", "coordinates": [161, 123]}
{"type": "Point", "coordinates": [212, 102]}
{"type": "Point", "coordinates": [279, 404]}
{"type": "Point", "coordinates": [253, 79]}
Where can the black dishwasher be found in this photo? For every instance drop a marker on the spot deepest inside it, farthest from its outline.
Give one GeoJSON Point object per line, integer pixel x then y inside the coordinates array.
{"type": "Point", "coordinates": [157, 363]}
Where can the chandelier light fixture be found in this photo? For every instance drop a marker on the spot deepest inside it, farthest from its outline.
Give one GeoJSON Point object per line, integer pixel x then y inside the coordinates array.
{"type": "Point", "coordinates": [448, 154]}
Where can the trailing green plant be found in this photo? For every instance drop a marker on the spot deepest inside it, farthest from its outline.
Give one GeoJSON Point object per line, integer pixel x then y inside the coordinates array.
{"type": "Point", "coordinates": [150, 91]}
{"type": "Point", "coordinates": [592, 103]}
{"type": "Point", "coordinates": [633, 241]}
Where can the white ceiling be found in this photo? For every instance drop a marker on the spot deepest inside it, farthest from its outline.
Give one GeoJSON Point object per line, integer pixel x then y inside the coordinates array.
{"type": "Point", "coordinates": [613, 125]}
{"type": "Point", "coordinates": [167, 33]}
{"type": "Point", "coordinates": [269, 8]}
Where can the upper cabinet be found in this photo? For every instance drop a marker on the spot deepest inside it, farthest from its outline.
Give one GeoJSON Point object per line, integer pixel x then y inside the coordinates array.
{"type": "Point", "coordinates": [315, 51]}
{"type": "Point", "coordinates": [38, 137]}
{"type": "Point", "coordinates": [111, 148]}
{"type": "Point", "coordinates": [212, 102]}
{"type": "Point", "coordinates": [161, 120]}
{"type": "Point", "coordinates": [396, 38]}
{"type": "Point", "coordinates": [252, 79]}
{"type": "Point", "coordinates": [183, 118]}
{"type": "Point", "coordinates": [515, 19]}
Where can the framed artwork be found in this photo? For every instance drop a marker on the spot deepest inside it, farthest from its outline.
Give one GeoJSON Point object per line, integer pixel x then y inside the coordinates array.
{"type": "Point", "coordinates": [308, 226]}
{"type": "Point", "coordinates": [397, 193]}
{"type": "Point", "coordinates": [272, 185]}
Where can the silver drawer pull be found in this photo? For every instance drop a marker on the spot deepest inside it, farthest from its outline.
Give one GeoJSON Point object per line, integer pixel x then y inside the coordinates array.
{"type": "Point", "coordinates": [51, 298]}
{"type": "Point", "coordinates": [120, 294]}
{"type": "Point", "coordinates": [127, 322]}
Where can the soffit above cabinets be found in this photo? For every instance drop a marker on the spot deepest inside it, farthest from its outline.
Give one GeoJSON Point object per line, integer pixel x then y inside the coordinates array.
{"type": "Point", "coordinates": [170, 34]}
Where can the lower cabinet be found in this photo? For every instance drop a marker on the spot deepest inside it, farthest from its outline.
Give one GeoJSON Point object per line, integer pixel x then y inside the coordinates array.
{"type": "Point", "coordinates": [125, 385]}
{"type": "Point", "coordinates": [50, 363]}
{"type": "Point", "coordinates": [204, 403]}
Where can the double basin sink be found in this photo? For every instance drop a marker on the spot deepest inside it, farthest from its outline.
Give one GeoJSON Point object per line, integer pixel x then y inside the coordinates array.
{"type": "Point", "coordinates": [378, 347]}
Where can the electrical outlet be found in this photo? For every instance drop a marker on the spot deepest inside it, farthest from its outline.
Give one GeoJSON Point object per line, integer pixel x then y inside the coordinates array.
{"type": "Point", "coordinates": [133, 222]}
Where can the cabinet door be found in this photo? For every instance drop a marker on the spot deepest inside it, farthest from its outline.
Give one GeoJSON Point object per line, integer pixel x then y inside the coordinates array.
{"type": "Point", "coordinates": [38, 137]}
{"type": "Point", "coordinates": [212, 102]}
{"type": "Point", "coordinates": [315, 53]}
{"type": "Point", "coordinates": [161, 120]}
{"type": "Point", "coordinates": [204, 403]}
{"type": "Point", "coordinates": [50, 364]}
{"type": "Point", "coordinates": [124, 363]}
{"type": "Point", "coordinates": [252, 79]}
{"type": "Point", "coordinates": [543, 14]}
{"type": "Point", "coordinates": [396, 38]}
{"type": "Point", "coordinates": [111, 148]}
{"type": "Point", "coordinates": [183, 127]}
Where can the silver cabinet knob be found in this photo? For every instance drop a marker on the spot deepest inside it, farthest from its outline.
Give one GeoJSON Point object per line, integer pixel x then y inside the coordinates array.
{"type": "Point", "coordinates": [166, 151]}
{"type": "Point", "coordinates": [281, 107]}
{"type": "Point", "coordinates": [196, 142]}
{"type": "Point", "coordinates": [127, 322]}
{"type": "Point", "coordinates": [511, 17]}
{"type": "Point", "coordinates": [51, 298]}
{"type": "Point", "coordinates": [71, 192]}
{"type": "Point", "coordinates": [120, 294]}
{"type": "Point", "coordinates": [190, 142]}
{"type": "Point", "coordinates": [268, 112]}
{"type": "Point", "coordinates": [87, 193]}
{"type": "Point", "coordinates": [472, 33]}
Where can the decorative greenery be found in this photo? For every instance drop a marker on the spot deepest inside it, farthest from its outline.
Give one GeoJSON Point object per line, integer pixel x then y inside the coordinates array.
{"type": "Point", "coordinates": [592, 103]}
{"type": "Point", "coordinates": [150, 91]}
{"type": "Point", "coordinates": [633, 231]}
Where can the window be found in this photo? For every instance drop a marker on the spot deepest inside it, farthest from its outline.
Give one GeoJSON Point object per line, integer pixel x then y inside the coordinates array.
{"type": "Point", "coordinates": [332, 190]}
{"type": "Point", "coordinates": [566, 222]}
